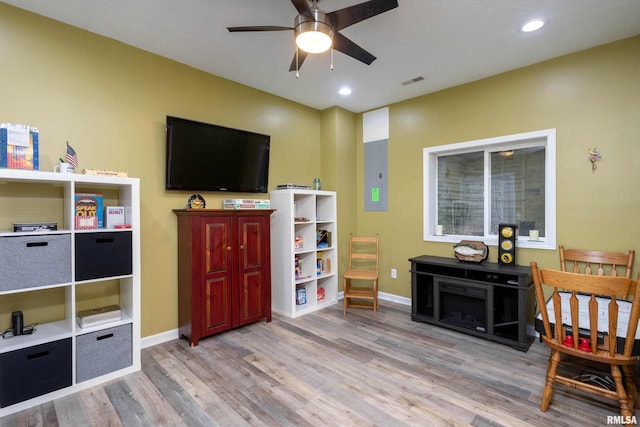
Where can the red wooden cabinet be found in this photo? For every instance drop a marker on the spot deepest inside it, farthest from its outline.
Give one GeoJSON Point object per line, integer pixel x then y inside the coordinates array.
{"type": "Point", "coordinates": [224, 270]}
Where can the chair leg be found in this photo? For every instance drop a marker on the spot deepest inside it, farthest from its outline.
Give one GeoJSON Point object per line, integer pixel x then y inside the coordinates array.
{"type": "Point", "coordinates": [375, 307]}
{"type": "Point", "coordinates": [375, 287]}
{"type": "Point", "coordinates": [626, 402]}
{"type": "Point", "coordinates": [552, 368]}
{"type": "Point", "coordinates": [630, 380]}
{"type": "Point", "coordinates": [375, 298]}
{"type": "Point", "coordinates": [345, 288]}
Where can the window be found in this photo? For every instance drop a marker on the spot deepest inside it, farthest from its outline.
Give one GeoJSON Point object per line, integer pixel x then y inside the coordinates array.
{"type": "Point", "coordinates": [471, 187]}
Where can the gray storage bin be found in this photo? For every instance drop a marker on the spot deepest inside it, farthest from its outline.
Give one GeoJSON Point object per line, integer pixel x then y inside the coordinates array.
{"type": "Point", "coordinates": [101, 352]}
{"type": "Point", "coordinates": [30, 261]}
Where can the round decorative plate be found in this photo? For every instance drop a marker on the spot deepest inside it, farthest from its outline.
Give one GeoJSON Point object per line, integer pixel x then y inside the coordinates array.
{"type": "Point", "coordinates": [506, 258]}
{"type": "Point", "coordinates": [196, 201]}
{"type": "Point", "coordinates": [507, 232]}
{"type": "Point", "coordinates": [506, 245]}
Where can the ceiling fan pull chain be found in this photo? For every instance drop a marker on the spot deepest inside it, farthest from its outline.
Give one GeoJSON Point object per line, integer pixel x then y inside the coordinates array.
{"type": "Point", "coordinates": [331, 56]}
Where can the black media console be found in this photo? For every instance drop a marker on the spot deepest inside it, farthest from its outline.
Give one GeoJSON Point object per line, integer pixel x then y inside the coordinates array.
{"type": "Point", "coordinates": [487, 300]}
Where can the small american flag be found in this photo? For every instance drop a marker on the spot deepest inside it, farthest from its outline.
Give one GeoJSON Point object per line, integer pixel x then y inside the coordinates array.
{"type": "Point", "coordinates": [72, 157]}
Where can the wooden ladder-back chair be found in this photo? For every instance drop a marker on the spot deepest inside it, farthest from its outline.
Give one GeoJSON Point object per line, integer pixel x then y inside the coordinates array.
{"type": "Point", "coordinates": [596, 324]}
{"type": "Point", "coordinates": [599, 263]}
{"type": "Point", "coordinates": [363, 266]}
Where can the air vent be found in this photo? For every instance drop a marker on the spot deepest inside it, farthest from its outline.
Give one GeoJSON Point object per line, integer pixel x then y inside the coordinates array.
{"type": "Point", "coordinates": [413, 80]}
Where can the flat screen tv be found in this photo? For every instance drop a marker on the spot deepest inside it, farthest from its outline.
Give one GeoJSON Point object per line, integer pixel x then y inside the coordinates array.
{"type": "Point", "coordinates": [206, 157]}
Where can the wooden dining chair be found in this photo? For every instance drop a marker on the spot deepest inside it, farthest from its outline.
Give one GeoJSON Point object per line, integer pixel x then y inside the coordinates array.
{"type": "Point", "coordinates": [600, 263]}
{"type": "Point", "coordinates": [596, 324]}
{"type": "Point", "coordinates": [363, 267]}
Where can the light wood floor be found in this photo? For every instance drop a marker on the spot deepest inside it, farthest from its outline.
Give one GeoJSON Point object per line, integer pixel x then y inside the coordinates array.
{"type": "Point", "coordinates": [323, 369]}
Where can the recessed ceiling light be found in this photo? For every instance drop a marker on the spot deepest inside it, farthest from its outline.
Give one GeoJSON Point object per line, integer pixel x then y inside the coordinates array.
{"type": "Point", "coordinates": [344, 91]}
{"type": "Point", "coordinates": [533, 25]}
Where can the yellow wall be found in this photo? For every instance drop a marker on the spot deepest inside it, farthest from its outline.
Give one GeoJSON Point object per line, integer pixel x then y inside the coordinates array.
{"type": "Point", "coordinates": [591, 97]}
{"type": "Point", "coordinates": [110, 101]}
{"type": "Point", "coordinates": [339, 172]}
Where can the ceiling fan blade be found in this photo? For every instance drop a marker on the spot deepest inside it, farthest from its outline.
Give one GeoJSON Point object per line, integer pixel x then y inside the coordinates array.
{"type": "Point", "coordinates": [302, 55]}
{"type": "Point", "coordinates": [302, 6]}
{"type": "Point", "coordinates": [348, 47]}
{"type": "Point", "coordinates": [258, 28]}
{"type": "Point", "coordinates": [353, 14]}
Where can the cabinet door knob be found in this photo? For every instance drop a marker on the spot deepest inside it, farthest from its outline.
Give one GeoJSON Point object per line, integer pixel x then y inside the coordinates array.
{"type": "Point", "coordinates": [242, 247]}
{"type": "Point", "coordinates": [228, 248]}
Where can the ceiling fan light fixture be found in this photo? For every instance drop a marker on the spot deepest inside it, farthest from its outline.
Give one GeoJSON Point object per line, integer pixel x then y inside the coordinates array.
{"type": "Point", "coordinates": [313, 36]}
{"type": "Point", "coordinates": [313, 41]}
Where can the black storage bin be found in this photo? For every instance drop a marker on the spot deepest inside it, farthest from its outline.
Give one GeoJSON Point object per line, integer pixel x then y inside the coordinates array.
{"type": "Point", "coordinates": [103, 351]}
{"type": "Point", "coordinates": [103, 255]}
{"type": "Point", "coordinates": [34, 371]}
{"type": "Point", "coordinates": [29, 261]}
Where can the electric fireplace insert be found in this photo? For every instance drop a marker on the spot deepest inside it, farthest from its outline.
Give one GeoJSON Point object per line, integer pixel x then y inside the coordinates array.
{"type": "Point", "coordinates": [488, 300]}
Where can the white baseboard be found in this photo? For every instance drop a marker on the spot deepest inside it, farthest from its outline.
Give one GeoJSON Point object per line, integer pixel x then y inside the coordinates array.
{"type": "Point", "coordinates": [173, 334]}
{"type": "Point", "coordinates": [386, 297]}
{"type": "Point", "coordinates": [159, 338]}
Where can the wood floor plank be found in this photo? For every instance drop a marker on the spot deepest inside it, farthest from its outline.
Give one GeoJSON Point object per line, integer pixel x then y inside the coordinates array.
{"type": "Point", "coordinates": [129, 409]}
{"type": "Point", "coordinates": [70, 411]}
{"type": "Point", "coordinates": [98, 407]}
{"type": "Point", "coordinates": [157, 409]}
{"type": "Point", "coordinates": [190, 413]}
{"type": "Point", "coordinates": [194, 379]}
{"type": "Point", "coordinates": [38, 416]}
{"type": "Point", "coordinates": [230, 407]}
{"type": "Point", "coordinates": [326, 369]}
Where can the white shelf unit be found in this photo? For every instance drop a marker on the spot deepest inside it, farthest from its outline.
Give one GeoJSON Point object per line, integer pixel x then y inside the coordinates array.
{"type": "Point", "coordinates": [56, 193]}
{"type": "Point", "coordinates": [299, 217]}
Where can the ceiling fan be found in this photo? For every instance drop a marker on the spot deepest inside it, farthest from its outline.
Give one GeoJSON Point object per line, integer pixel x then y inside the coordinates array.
{"type": "Point", "coordinates": [316, 31]}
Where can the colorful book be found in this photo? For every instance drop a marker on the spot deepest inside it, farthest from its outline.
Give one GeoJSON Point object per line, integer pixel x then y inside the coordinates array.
{"type": "Point", "coordinates": [323, 263]}
{"type": "Point", "coordinates": [114, 215]}
{"type": "Point", "coordinates": [298, 268]}
{"type": "Point", "coordinates": [89, 213]}
{"type": "Point", "coordinates": [19, 146]}
{"type": "Point", "coordinates": [323, 239]}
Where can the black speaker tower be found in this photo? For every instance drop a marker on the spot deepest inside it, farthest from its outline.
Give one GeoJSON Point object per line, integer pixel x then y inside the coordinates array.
{"type": "Point", "coordinates": [507, 237]}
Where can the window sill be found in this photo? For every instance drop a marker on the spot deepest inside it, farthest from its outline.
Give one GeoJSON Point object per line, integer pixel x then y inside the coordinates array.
{"type": "Point", "coordinates": [522, 243]}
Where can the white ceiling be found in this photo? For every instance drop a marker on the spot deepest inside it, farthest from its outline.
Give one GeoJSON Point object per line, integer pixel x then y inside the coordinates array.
{"type": "Point", "coordinates": [448, 42]}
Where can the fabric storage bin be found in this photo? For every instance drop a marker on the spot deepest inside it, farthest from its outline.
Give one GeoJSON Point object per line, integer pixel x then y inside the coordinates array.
{"type": "Point", "coordinates": [34, 371]}
{"type": "Point", "coordinates": [30, 261]}
{"type": "Point", "coordinates": [101, 352]}
{"type": "Point", "coordinates": [101, 255]}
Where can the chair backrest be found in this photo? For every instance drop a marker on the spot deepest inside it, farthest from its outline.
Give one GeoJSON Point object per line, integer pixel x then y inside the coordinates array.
{"type": "Point", "coordinates": [363, 252]}
{"type": "Point", "coordinates": [599, 263]}
{"type": "Point", "coordinates": [591, 295]}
